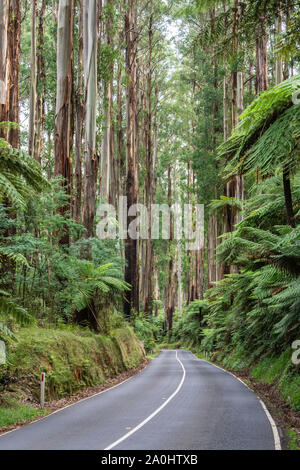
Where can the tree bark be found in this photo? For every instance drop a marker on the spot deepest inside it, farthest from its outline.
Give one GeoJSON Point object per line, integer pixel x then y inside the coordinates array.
{"type": "Point", "coordinates": [262, 81]}
{"type": "Point", "coordinates": [90, 36]}
{"type": "Point", "coordinates": [285, 171]}
{"type": "Point", "coordinates": [40, 84]}
{"type": "Point", "coordinates": [288, 198]}
{"type": "Point", "coordinates": [4, 65]}
{"type": "Point", "coordinates": [149, 173]}
{"type": "Point", "coordinates": [63, 113]}
{"type": "Point", "coordinates": [33, 63]}
{"type": "Point", "coordinates": [131, 245]}
{"type": "Point", "coordinates": [14, 36]}
{"type": "Point", "coordinates": [171, 290]}
{"type": "Point", "coordinates": [79, 118]}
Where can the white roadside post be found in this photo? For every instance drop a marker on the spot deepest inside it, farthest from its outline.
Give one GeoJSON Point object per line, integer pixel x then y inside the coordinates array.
{"type": "Point", "coordinates": [43, 379]}
{"type": "Point", "coordinates": [2, 353]}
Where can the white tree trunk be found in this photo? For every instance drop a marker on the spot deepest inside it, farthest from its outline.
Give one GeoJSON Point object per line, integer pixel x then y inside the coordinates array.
{"type": "Point", "coordinates": [90, 37]}
{"type": "Point", "coordinates": [32, 116]}
{"type": "Point", "coordinates": [4, 8]}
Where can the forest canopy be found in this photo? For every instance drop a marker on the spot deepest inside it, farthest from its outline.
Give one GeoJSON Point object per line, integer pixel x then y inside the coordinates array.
{"type": "Point", "coordinates": [160, 102]}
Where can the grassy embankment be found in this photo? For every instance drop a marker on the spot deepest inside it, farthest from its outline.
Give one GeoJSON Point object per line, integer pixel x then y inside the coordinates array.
{"type": "Point", "coordinates": [72, 358]}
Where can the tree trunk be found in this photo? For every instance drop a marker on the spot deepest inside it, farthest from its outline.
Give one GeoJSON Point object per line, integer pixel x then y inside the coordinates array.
{"type": "Point", "coordinates": [288, 198]}
{"type": "Point", "coordinates": [212, 244]}
{"type": "Point", "coordinates": [4, 65]}
{"type": "Point", "coordinates": [63, 113]}
{"type": "Point", "coordinates": [79, 118]}
{"type": "Point", "coordinates": [262, 81]}
{"type": "Point", "coordinates": [33, 83]}
{"type": "Point", "coordinates": [156, 285]}
{"type": "Point", "coordinates": [285, 172]}
{"type": "Point", "coordinates": [149, 173]}
{"type": "Point", "coordinates": [225, 109]}
{"type": "Point", "coordinates": [179, 278]}
{"type": "Point", "coordinates": [171, 291]}
{"type": "Point", "coordinates": [14, 35]}
{"type": "Point", "coordinates": [120, 134]}
{"type": "Point", "coordinates": [40, 84]}
{"type": "Point", "coordinates": [278, 63]}
{"type": "Point", "coordinates": [131, 245]}
{"type": "Point", "coordinates": [90, 36]}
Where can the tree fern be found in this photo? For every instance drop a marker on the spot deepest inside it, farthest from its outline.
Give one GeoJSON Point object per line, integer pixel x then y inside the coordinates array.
{"type": "Point", "coordinates": [9, 308]}
{"type": "Point", "coordinates": [20, 175]}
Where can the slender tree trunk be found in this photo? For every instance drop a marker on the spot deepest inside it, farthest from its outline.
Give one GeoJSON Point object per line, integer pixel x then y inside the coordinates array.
{"type": "Point", "coordinates": [189, 253]}
{"type": "Point", "coordinates": [225, 109]}
{"type": "Point", "coordinates": [262, 81]}
{"type": "Point", "coordinates": [171, 291]}
{"type": "Point", "coordinates": [144, 140]}
{"type": "Point", "coordinates": [33, 83]}
{"type": "Point", "coordinates": [131, 245]}
{"type": "Point", "coordinates": [90, 36]}
{"type": "Point", "coordinates": [4, 66]}
{"type": "Point", "coordinates": [179, 277]}
{"type": "Point", "coordinates": [156, 286]}
{"type": "Point", "coordinates": [288, 198]}
{"type": "Point", "coordinates": [63, 113]}
{"type": "Point", "coordinates": [149, 170]}
{"type": "Point", "coordinates": [278, 63]}
{"type": "Point", "coordinates": [234, 75]}
{"type": "Point", "coordinates": [212, 245]}
{"type": "Point", "coordinates": [40, 83]}
{"type": "Point", "coordinates": [285, 171]}
{"type": "Point", "coordinates": [107, 164]}
{"type": "Point", "coordinates": [120, 134]}
{"type": "Point", "coordinates": [79, 118]}
{"type": "Point", "coordinates": [9, 102]}
{"type": "Point", "coordinates": [14, 36]}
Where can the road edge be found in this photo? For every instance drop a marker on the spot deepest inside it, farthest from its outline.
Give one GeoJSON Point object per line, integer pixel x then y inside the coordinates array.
{"type": "Point", "coordinates": [276, 436]}
{"type": "Point", "coordinates": [135, 373]}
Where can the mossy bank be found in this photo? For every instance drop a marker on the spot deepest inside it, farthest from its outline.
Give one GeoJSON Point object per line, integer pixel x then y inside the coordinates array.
{"type": "Point", "coordinates": [72, 359]}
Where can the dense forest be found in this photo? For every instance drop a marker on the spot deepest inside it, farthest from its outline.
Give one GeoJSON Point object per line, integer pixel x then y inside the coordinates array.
{"type": "Point", "coordinates": [156, 103]}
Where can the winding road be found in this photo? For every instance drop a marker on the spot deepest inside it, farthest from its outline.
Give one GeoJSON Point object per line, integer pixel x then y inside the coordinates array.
{"type": "Point", "coordinates": [178, 402]}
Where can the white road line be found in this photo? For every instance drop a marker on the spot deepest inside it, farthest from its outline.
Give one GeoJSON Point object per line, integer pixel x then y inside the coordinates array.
{"type": "Point", "coordinates": [154, 413]}
{"type": "Point", "coordinates": [276, 437]}
{"type": "Point", "coordinates": [72, 404]}
{"type": "Point", "coordinates": [273, 425]}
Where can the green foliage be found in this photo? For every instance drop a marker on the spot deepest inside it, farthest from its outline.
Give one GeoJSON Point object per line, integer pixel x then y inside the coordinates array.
{"type": "Point", "coordinates": [289, 42]}
{"type": "Point", "coordinates": [20, 175]}
{"type": "Point", "coordinates": [91, 282]}
{"type": "Point", "coordinates": [216, 205]}
{"type": "Point", "coordinates": [149, 330]}
{"type": "Point", "coordinates": [48, 280]}
{"type": "Point", "coordinates": [9, 308]}
{"type": "Point", "coordinates": [73, 358]}
{"type": "Point", "coordinates": [188, 329]}
{"type": "Point", "coordinates": [252, 316]}
{"type": "Point", "coordinates": [14, 413]}
{"type": "Point", "coordinates": [267, 134]}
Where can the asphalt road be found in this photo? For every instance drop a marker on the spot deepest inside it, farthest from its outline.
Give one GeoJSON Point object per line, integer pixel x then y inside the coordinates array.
{"type": "Point", "coordinates": [177, 403]}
